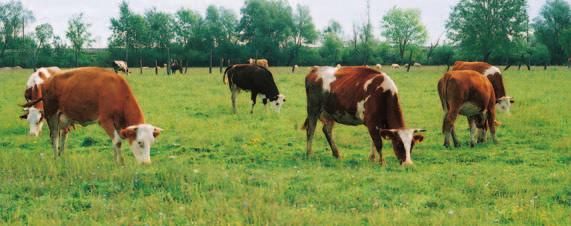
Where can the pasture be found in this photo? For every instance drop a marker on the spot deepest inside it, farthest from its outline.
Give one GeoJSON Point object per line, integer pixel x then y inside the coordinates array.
{"type": "Point", "coordinates": [211, 167]}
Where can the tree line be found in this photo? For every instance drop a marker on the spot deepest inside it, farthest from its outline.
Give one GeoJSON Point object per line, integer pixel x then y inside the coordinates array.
{"type": "Point", "coordinates": [495, 31]}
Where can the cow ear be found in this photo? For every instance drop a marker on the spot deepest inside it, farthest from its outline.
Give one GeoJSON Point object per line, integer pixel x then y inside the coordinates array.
{"type": "Point", "coordinates": [418, 138]}
{"type": "Point", "coordinates": [388, 134]}
{"type": "Point", "coordinates": [129, 132]}
{"type": "Point", "coordinates": [157, 131]}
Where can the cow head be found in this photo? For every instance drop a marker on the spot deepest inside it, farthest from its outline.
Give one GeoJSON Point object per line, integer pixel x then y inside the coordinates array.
{"type": "Point", "coordinates": [140, 138]}
{"type": "Point", "coordinates": [278, 102]}
{"type": "Point", "coordinates": [504, 104]}
{"type": "Point", "coordinates": [34, 117]}
{"type": "Point", "coordinates": [403, 141]}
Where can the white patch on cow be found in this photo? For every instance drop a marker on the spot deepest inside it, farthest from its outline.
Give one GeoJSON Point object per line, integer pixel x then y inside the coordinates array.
{"type": "Point", "coordinates": [278, 103]}
{"type": "Point", "coordinates": [327, 75]}
{"type": "Point", "coordinates": [35, 78]}
{"type": "Point", "coordinates": [141, 146]}
{"type": "Point", "coordinates": [491, 71]}
{"type": "Point", "coordinates": [361, 108]}
{"type": "Point", "coordinates": [406, 136]}
{"type": "Point", "coordinates": [388, 84]}
{"type": "Point", "coordinates": [504, 104]}
{"type": "Point", "coordinates": [367, 83]}
{"type": "Point", "coordinates": [34, 119]}
{"type": "Point", "coordinates": [116, 138]}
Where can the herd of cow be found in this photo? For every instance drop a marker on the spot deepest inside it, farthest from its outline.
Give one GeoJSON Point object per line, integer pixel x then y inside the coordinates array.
{"type": "Point", "coordinates": [353, 95]}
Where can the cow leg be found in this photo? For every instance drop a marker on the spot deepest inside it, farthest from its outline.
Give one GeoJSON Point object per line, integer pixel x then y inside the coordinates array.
{"type": "Point", "coordinates": [62, 138]}
{"type": "Point", "coordinates": [254, 95]}
{"type": "Point", "coordinates": [310, 131]}
{"type": "Point", "coordinates": [234, 91]}
{"type": "Point", "coordinates": [53, 124]}
{"type": "Point", "coordinates": [328, 131]}
{"type": "Point", "coordinates": [448, 128]}
{"type": "Point", "coordinates": [115, 138]}
{"type": "Point", "coordinates": [491, 119]}
{"type": "Point", "coordinates": [482, 128]}
{"type": "Point", "coordinates": [472, 124]}
{"type": "Point", "coordinates": [377, 145]}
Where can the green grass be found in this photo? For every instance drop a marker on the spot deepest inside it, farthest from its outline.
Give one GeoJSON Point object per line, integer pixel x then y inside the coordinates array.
{"type": "Point", "coordinates": [211, 167]}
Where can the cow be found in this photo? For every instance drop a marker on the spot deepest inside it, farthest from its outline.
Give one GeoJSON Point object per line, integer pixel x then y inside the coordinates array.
{"type": "Point", "coordinates": [378, 67]}
{"type": "Point", "coordinates": [395, 66]}
{"type": "Point", "coordinates": [256, 79]}
{"type": "Point", "coordinates": [338, 66]}
{"type": "Point", "coordinates": [358, 96]}
{"type": "Point", "coordinates": [494, 75]}
{"type": "Point", "coordinates": [34, 114]}
{"type": "Point", "coordinates": [418, 65]}
{"type": "Point", "coordinates": [175, 66]}
{"type": "Point", "coordinates": [94, 95]}
{"type": "Point", "coordinates": [119, 65]}
{"type": "Point", "coordinates": [259, 62]}
{"type": "Point", "coordinates": [294, 68]}
{"type": "Point", "coordinates": [468, 93]}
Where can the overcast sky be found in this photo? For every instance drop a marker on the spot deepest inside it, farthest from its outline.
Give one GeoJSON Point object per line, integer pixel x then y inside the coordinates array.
{"type": "Point", "coordinates": [347, 12]}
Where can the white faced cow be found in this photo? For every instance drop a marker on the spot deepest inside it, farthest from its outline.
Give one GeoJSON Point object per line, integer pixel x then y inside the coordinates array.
{"type": "Point", "coordinates": [34, 114]}
{"type": "Point", "coordinates": [358, 96]}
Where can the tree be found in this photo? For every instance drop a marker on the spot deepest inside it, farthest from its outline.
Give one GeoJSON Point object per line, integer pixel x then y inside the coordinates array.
{"type": "Point", "coordinates": [553, 19]}
{"type": "Point", "coordinates": [304, 31]}
{"type": "Point", "coordinates": [44, 33]}
{"type": "Point", "coordinates": [188, 31]}
{"type": "Point", "coordinates": [78, 35]}
{"type": "Point", "coordinates": [402, 27]}
{"type": "Point", "coordinates": [161, 32]}
{"type": "Point", "coordinates": [566, 41]}
{"type": "Point", "coordinates": [480, 27]}
{"type": "Point", "coordinates": [13, 16]}
{"type": "Point", "coordinates": [129, 31]}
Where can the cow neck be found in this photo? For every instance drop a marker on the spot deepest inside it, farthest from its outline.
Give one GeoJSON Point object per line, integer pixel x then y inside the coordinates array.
{"type": "Point", "coordinates": [132, 113]}
{"type": "Point", "coordinates": [395, 118]}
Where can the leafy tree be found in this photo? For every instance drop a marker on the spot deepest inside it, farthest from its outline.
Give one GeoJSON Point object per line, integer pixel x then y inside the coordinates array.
{"type": "Point", "coordinates": [402, 27]}
{"type": "Point", "coordinates": [44, 33]}
{"type": "Point", "coordinates": [442, 55]}
{"type": "Point", "coordinates": [554, 18]}
{"type": "Point", "coordinates": [78, 35]}
{"type": "Point", "coordinates": [161, 32]}
{"type": "Point", "coordinates": [13, 17]}
{"type": "Point", "coordinates": [129, 31]}
{"type": "Point", "coordinates": [304, 31]}
{"type": "Point", "coordinates": [334, 27]}
{"type": "Point", "coordinates": [481, 27]}
{"type": "Point", "coordinates": [188, 28]}
{"type": "Point", "coordinates": [566, 41]}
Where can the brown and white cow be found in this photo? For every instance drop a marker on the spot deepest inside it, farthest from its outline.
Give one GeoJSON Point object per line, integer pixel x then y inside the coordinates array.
{"type": "Point", "coordinates": [395, 66]}
{"type": "Point", "coordinates": [34, 114]}
{"type": "Point", "coordinates": [259, 62]}
{"type": "Point", "coordinates": [494, 75]}
{"type": "Point", "coordinates": [119, 65]}
{"type": "Point", "coordinates": [358, 96]}
{"type": "Point", "coordinates": [94, 95]}
{"type": "Point", "coordinates": [467, 93]}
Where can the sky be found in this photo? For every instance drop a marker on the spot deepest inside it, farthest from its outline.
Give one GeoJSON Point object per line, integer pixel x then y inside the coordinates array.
{"type": "Point", "coordinates": [347, 12]}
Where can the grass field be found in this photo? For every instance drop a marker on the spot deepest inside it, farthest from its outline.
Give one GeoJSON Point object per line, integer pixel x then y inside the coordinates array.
{"type": "Point", "coordinates": [211, 167]}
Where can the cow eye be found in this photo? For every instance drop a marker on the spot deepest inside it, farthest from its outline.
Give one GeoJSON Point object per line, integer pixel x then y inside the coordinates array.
{"type": "Point", "coordinates": [141, 144]}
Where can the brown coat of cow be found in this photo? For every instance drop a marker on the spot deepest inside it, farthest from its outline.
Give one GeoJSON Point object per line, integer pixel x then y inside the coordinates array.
{"type": "Point", "coordinates": [358, 96]}
{"type": "Point", "coordinates": [95, 95]}
{"type": "Point", "coordinates": [470, 94]}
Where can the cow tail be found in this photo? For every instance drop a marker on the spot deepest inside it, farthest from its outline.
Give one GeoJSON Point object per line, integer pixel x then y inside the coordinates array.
{"type": "Point", "coordinates": [32, 103]}
{"type": "Point", "coordinates": [224, 79]}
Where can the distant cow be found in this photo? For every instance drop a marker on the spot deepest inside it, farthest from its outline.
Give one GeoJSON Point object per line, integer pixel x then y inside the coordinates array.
{"type": "Point", "coordinates": [358, 96]}
{"type": "Point", "coordinates": [175, 66]}
{"type": "Point", "coordinates": [259, 62]}
{"type": "Point", "coordinates": [256, 79]}
{"type": "Point", "coordinates": [470, 94]}
{"type": "Point", "coordinates": [338, 66]}
{"type": "Point", "coordinates": [119, 65]}
{"type": "Point", "coordinates": [94, 95]}
{"type": "Point", "coordinates": [34, 114]}
{"type": "Point", "coordinates": [395, 66]}
{"type": "Point", "coordinates": [378, 67]}
{"type": "Point", "coordinates": [417, 65]}
{"type": "Point", "coordinates": [494, 75]}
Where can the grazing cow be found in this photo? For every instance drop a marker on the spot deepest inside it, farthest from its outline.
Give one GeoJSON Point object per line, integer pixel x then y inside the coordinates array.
{"type": "Point", "coordinates": [358, 96]}
{"type": "Point", "coordinates": [417, 65]}
{"type": "Point", "coordinates": [256, 79]}
{"type": "Point", "coordinates": [395, 66]}
{"type": "Point", "coordinates": [338, 66]}
{"type": "Point", "coordinates": [294, 68]}
{"type": "Point", "coordinates": [378, 67]}
{"type": "Point", "coordinates": [494, 75]}
{"type": "Point", "coordinates": [175, 66]}
{"type": "Point", "coordinates": [119, 65]}
{"type": "Point", "coordinates": [95, 95]}
{"type": "Point", "coordinates": [34, 114]}
{"type": "Point", "coordinates": [259, 62]}
{"type": "Point", "coordinates": [470, 94]}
